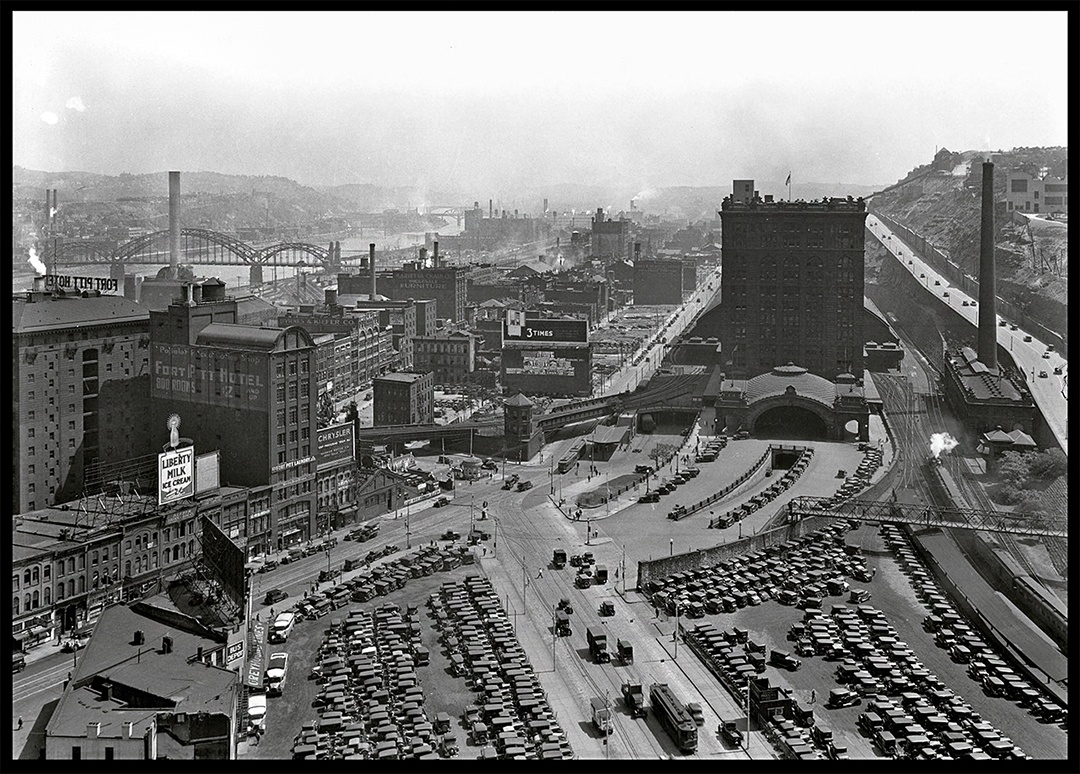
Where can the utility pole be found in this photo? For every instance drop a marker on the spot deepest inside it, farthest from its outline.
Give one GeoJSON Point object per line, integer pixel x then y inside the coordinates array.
{"type": "Point", "coordinates": [408, 534]}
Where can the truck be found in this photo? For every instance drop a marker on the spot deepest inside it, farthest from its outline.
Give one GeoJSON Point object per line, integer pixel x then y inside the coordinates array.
{"type": "Point", "coordinates": [562, 623]}
{"type": "Point", "coordinates": [558, 558]}
{"type": "Point", "coordinates": [601, 576]}
{"type": "Point", "coordinates": [730, 733]}
{"type": "Point", "coordinates": [601, 715]}
{"type": "Point", "coordinates": [634, 698]}
{"type": "Point", "coordinates": [625, 651]}
{"type": "Point", "coordinates": [597, 644]}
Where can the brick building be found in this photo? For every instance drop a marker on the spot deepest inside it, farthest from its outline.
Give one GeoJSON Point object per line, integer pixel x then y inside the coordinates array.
{"type": "Point", "coordinates": [451, 357]}
{"type": "Point", "coordinates": [404, 398]}
{"type": "Point", "coordinates": [792, 285]}
{"type": "Point", "coordinates": [80, 390]}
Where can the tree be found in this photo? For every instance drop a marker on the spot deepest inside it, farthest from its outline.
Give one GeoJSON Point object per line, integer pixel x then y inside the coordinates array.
{"type": "Point", "coordinates": [1049, 464]}
{"type": "Point", "coordinates": [1014, 470]}
{"type": "Point", "coordinates": [1031, 504]}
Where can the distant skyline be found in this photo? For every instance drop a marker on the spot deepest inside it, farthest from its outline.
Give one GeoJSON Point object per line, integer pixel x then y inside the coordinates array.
{"type": "Point", "coordinates": [498, 102]}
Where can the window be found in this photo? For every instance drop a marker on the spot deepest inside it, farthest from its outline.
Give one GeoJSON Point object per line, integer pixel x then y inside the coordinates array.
{"type": "Point", "coordinates": [59, 592]}
{"type": "Point", "coordinates": [281, 393]}
{"type": "Point", "coordinates": [127, 547]}
{"type": "Point", "coordinates": [26, 578]}
{"type": "Point", "coordinates": [30, 395]}
{"type": "Point", "coordinates": [94, 558]}
{"type": "Point", "coordinates": [76, 753]}
{"type": "Point", "coordinates": [115, 550]}
{"type": "Point", "coordinates": [71, 424]}
{"type": "Point", "coordinates": [292, 368]}
{"type": "Point", "coordinates": [48, 595]}
{"type": "Point", "coordinates": [46, 572]}
{"type": "Point", "coordinates": [29, 432]}
{"type": "Point", "coordinates": [303, 366]}
{"type": "Point", "coordinates": [108, 753]}
{"type": "Point", "coordinates": [36, 603]}
{"type": "Point", "coordinates": [127, 568]}
{"type": "Point", "coordinates": [281, 439]}
{"type": "Point", "coordinates": [15, 582]}
{"type": "Point", "coordinates": [15, 604]}
{"type": "Point", "coordinates": [71, 564]}
{"type": "Point", "coordinates": [292, 416]}
{"type": "Point", "coordinates": [71, 588]}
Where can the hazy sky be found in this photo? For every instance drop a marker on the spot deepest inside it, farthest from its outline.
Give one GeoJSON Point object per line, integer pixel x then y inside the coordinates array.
{"type": "Point", "coordinates": [489, 102]}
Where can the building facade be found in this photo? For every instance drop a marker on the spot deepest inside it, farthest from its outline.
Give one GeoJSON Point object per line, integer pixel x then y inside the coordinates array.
{"type": "Point", "coordinates": [80, 391]}
{"type": "Point", "coordinates": [792, 286]}
{"type": "Point", "coordinates": [250, 393]}
{"type": "Point", "coordinates": [661, 282]}
{"type": "Point", "coordinates": [450, 357]}
{"type": "Point", "coordinates": [1025, 193]}
{"type": "Point", "coordinates": [358, 352]}
{"type": "Point", "coordinates": [404, 398]}
{"type": "Point", "coordinates": [610, 238]}
{"type": "Point", "coordinates": [447, 285]}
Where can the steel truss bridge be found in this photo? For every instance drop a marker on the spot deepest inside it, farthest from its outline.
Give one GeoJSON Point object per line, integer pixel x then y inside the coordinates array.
{"type": "Point", "coordinates": [197, 246]}
{"type": "Point", "coordinates": [927, 516]}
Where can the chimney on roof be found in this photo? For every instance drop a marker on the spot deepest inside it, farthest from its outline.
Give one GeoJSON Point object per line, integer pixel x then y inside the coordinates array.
{"type": "Point", "coordinates": [331, 297]}
{"type": "Point", "coordinates": [435, 255]}
{"type": "Point", "coordinates": [987, 314]}
{"type": "Point", "coordinates": [174, 223]}
{"type": "Point", "coordinates": [93, 730]}
{"type": "Point", "coordinates": [371, 267]}
{"type": "Point", "coordinates": [199, 653]}
{"type": "Point", "coordinates": [128, 727]}
{"type": "Point", "coordinates": [139, 638]}
{"type": "Point", "coordinates": [106, 691]}
{"type": "Point", "coordinates": [166, 644]}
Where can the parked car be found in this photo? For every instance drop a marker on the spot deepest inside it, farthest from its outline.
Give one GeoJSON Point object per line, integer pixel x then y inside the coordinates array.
{"type": "Point", "coordinates": [442, 501]}
{"type": "Point", "coordinates": [523, 485]}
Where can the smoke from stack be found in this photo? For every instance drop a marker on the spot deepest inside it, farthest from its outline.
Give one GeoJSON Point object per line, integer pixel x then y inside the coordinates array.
{"type": "Point", "coordinates": [36, 262]}
{"type": "Point", "coordinates": [371, 266]}
{"type": "Point", "coordinates": [174, 224]}
{"type": "Point", "coordinates": [942, 442]}
{"type": "Point", "coordinates": [987, 313]}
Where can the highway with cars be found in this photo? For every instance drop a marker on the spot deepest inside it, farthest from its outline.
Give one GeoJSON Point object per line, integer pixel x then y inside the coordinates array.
{"type": "Point", "coordinates": [1045, 370]}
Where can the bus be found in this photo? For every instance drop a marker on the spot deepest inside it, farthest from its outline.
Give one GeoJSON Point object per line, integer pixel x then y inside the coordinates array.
{"type": "Point", "coordinates": [674, 717]}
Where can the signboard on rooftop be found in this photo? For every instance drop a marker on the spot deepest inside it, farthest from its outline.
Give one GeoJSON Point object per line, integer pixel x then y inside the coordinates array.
{"type": "Point", "coordinates": [176, 475]}
{"type": "Point", "coordinates": [547, 331]}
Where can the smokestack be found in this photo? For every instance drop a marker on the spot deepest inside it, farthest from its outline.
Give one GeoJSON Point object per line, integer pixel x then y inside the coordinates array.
{"type": "Point", "coordinates": [423, 256]}
{"type": "Point", "coordinates": [371, 267]}
{"type": "Point", "coordinates": [174, 223]}
{"type": "Point", "coordinates": [435, 258]}
{"type": "Point", "coordinates": [490, 211]}
{"type": "Point", "coordinates": [987, 315]}
{"type": "Point", "coordinates": [637, 250]}
{"type": "Point", "coordinates": [545, 205]}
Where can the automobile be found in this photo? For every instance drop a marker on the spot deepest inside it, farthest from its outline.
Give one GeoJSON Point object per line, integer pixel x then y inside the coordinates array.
{"type": "Point", "coordinates": [937, 282]}
{"type": "Point", "coordinates": [922, 276]}
{"type": "Point", "coordinates": [842, 697]}
{"type": "Point", "coordinates": [489, 464]}
{"type": "Point", "coordinates": [74, 644]}
{"type": "Point", "coordinates": [450, 535]}
{"type": "Point", "coordinates": [696, 713]}
{"type": "Point", "coordinates": [1049, 347]}
{"type": "Point", "coordinates": [1027, 337]}
{"type": "Point", "coordinates": [1046, 355]}
{"type": "Point", "coordinates": [643, 469]}
{"type": "Point", "coordinates": [1042, 374]}
{"type": "Point", "coordinates": [1057, 370]}
{"type": "Point", "coordinates": [1014, 327]}
{"type": "Point", "coordinates": [523, 485]}
{"type": "Point", "coordinates": [965, 303]}
{"type": "Point", "coordinates": [1002, 323]}
{"type": "Point", "coordinates": [650, 497]}
{"type": "Point", "coordinates": [945, 294]}
{"type": "Point", "coordinates": [273, 596]}
{"type": "Point", "coordinates": [442, 501]}
{"type": "Point", "coordinates": [268, 565]}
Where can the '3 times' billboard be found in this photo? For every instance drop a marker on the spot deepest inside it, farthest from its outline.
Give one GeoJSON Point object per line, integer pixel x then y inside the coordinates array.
{"type": "Point", "coordinates": [548, 331]}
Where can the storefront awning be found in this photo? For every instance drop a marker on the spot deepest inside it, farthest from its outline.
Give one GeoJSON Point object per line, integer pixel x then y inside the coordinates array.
{"type": "Point", "coordinates": [288, 532]}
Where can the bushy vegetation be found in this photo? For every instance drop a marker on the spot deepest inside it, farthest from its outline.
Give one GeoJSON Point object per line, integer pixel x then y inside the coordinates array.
{"type": "Point", "coordinates": [1024, 474]}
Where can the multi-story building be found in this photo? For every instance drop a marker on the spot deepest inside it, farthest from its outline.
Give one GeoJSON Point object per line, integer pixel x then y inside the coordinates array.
{"type": "Point", "coordinates": [662, 281]}
{"type": "Point", "coordinates": [448, 285]}
{"type": "Point", "coordinates": [792, 285]}
{"type": "Point", "coordinates": [359, 343]}
{"type": "Point", "coordinates": [404, 398]}
{"type": "Point", "coordinates": [1036, 194]}
{"type": "Point", "coordinates": [72, 560]}
{"type": "Point", "coordinates": [337, 479]}
{"type": "Point", "coordinates": [451, 357]}
{"type": "Point", "coordinates": [610, 238]}
{"type": "Point", "coordinates": [80, 386]}
{"type": "Point", "coordinates": [400, 317]}
{"type": "Point", "coordinates": [250, 393]}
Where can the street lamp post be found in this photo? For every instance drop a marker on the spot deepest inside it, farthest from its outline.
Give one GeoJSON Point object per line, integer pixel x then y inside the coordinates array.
{"type": "Point", "coordinates": [675, 634]}
{"type": "Point", "coordinates": [671, 546]}
{"type": "Point", "coordinates": [408, 534]}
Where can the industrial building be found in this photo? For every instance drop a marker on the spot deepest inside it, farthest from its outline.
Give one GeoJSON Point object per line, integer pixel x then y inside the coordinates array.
{"type": "Point", "coordinates": [404, 398]}
{"type": "Point", "coordinates": [663, 281]}
{"type": "Point", "coordinates": [610, 238]}
{"type": "Point", "coordinates": [80, 395]}
{"type": "Point", "coordinates": [250, 393]}
{"type": "Point", "coordinates": [792, 285]}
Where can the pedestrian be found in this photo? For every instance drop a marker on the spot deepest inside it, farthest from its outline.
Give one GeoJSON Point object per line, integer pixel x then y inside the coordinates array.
{"type": "Point", "coordinates": [813, 695]}
{"type": "Point", "coordinates": [20, 722]}
{"type": "Point", "coordinates": [540, 573]}
{"type": "Point", "coordinates": [616, 573]}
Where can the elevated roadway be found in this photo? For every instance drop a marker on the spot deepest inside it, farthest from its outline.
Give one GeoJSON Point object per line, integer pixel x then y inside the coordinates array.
{"type": "Point", "coordinates": [1050, 392]}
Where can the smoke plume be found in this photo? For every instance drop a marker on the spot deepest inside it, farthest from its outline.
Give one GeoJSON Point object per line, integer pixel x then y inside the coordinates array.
{"type": "Point", "coordinates": [34, 261]}
{"type": "Point", "coordinates": [942, 442]}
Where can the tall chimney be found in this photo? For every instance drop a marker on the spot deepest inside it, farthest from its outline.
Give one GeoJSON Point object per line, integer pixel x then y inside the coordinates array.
{"type": "Point", "coordinates": [490, 211]}
{"type": "Point", "coordinates": [435, 257]}
{"type": "Point", "coordinates": [423, 256]}
{"type": "Point", "coordinates": [987, 315]}
{"type": "Point", "coordinates": [174, 223]}
{"type": "Point", "coordinates": [637, 250]}
{"type": "Point", "coordinates": [545, 205]}
{"type": "Point", "coordinates": [371, 267]}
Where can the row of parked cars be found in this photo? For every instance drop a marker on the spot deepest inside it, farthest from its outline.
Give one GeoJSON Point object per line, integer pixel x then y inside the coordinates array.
{"type": "Point", "coordinates": [860, 479]}
{"type": "Point", "coordinates": [371, 703]}
{"type": "Point", "coordinates": [953, 633]}
{"type": "Point", "coordinates": [510, 718]}
{"type": "Point", "coordinates": [763, 498]}
{"type": "Point", "coordinates": [923, 719]}
{"type": "Point", "coordinates": [667, 486]}
{"type": "Point", "coordinates": [801, 571]}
